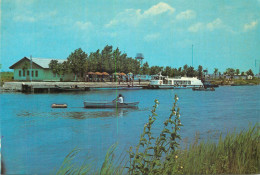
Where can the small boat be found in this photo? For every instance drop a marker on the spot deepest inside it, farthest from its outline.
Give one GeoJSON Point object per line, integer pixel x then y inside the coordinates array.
{"type": "Point", "coordinates": [203, 89]}
{"type": "Point", "coordinates": [93, 104]}
{"type": "Point", "coordinates": [59, 105]}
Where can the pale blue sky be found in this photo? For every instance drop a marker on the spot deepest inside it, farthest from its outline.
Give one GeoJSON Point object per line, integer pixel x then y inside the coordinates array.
{"type": "Point", "coordinates": [225, 33]}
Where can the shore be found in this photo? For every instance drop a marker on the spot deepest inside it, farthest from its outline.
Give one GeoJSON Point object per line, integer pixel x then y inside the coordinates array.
{"type": "Point", "coordinates": [255, 81]}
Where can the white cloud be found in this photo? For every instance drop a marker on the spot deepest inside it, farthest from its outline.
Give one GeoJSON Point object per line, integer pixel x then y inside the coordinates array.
{"type": "Point", "coordinates": [217, 23]}
{"type": "Point", "coordinates": [158, 9]}
{"type": "Point", "coordinates": [196, 27]}
{"type": "Point", "coordinates": [251, 25]}
{"type": "Point", "coordinates": [112, 23]}
{"type": "Point", "coordinates": [83, 25]}
{"type": "Point", "coordinates": [128, 16]}
{"type": "Point", "coordinates": [211, 26]}
{"type": "Point", "coordinates": [134, 16]}
{"type": "Point", "coordinates": [152, 36]}
{"type": "Point", "coordinates": [188, 14]}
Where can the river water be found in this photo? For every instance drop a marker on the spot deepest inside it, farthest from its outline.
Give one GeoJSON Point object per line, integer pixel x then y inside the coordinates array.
{"type": "Point", "coordinates": [35, 138]}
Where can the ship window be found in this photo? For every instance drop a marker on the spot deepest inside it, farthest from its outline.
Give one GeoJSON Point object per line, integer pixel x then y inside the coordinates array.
{"type": "Point", "coordinates": [20, 73]}
{"type": "Point", "coordinates": [189, 82]}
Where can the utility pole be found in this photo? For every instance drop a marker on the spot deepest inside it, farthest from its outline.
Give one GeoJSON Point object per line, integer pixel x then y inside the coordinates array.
{"type": "Point", "coordinates": [31, 68]}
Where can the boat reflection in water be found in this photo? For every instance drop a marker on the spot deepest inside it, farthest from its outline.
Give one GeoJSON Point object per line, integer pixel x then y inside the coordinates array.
{"type": "Point", "coordinates": [92, 113]}
{"type": "Point", "coordinates": [109, 104]}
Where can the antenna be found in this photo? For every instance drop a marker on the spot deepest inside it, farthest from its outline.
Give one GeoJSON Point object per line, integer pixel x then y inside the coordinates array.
{"type": "Point", "coordinates": [192, 55]}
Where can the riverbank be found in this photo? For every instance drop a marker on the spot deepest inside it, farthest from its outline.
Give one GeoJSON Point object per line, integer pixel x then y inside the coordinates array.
{"type": "Point", "coordinates": [254, 81]}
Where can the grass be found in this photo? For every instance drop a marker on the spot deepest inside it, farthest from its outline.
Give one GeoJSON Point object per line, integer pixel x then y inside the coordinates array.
{"type": "Point", "coordinates": [109, 167]}
{"type": "Point", "coordinates": [6, 76]}
{"type": "Point", "coordinates": [254, 81]}
{"type": "Point", "coordinates": [236, 153]}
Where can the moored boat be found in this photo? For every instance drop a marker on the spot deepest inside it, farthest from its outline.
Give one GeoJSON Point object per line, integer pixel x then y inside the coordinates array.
{"type": "Point", "coordinates": [59, 105]}
{"type": "Point", "coordinates": [105, 104]}
{"type": "Point", "coordinates": [165, 82]}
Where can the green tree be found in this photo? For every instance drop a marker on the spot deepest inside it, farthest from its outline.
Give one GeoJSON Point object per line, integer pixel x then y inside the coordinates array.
{"type": "Point", "coordinates": [200, 74]}
{"type": "Point", "coordinates": [237, 71]}
{"type": "Point", "coordinates": [167, 71]}
{"type": "Point", "coordinates": [77, 62]}
{"type": "Point", "coordinates": [215, 72]}
{"type": "Point", "coordinates": [145, 69]}
{"type": "Point", "coordinates": [242, 73]}
{"type": "Point", "coordinates": [155, 70]}
{"type": "Point", "coordinates": [250, 72]}
{"type": "Point", "coordinates": [175, 72]}
{"type": "Point", "coordinates": [54, 66]}
{"type": "Point", "coordinates": [230, 71]}
{"type": "Point", "coordinates": [190, 72]}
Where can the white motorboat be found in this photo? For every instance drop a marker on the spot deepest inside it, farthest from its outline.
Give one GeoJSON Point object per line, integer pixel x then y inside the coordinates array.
{"type": "Point", "coordinates": [165, 82]}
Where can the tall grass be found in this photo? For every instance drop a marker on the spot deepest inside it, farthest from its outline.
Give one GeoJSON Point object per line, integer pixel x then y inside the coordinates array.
{"type": "Point", "coordinates": [237, 153]}
{"type": "Point", "coordinates": [109, 167]}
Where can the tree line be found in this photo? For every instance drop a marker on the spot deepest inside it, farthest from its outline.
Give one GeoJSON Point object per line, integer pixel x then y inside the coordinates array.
{"type": "Point", "coordinates": [108, 60]}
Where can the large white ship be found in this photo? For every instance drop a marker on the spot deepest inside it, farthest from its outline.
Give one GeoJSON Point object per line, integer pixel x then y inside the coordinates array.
{"type": "Point", "coordinates": [165, 82]}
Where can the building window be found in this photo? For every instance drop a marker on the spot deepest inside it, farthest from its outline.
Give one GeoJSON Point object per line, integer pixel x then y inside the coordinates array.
{"type": "Point", "coordinates": [32, 73]}
{"type": "Point", "coordinates": [20, 73]}
{"type": "Point", "coordinates": [28, 73]}
{"type": "Point", "coordinates": [36, 73]}
{"type": "Point", "coordinates": [54, 75]}
{"type": "Point", "coordinates": [24, 73]}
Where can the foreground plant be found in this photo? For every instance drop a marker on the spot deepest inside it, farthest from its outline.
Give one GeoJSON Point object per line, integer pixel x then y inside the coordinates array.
{"type": "Point", "coordinates": [237, 153]}
{"type": "Point", "coordinates": [154, 156]}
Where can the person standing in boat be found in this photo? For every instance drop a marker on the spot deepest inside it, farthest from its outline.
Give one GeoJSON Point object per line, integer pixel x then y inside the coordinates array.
{"type": "Point", "coordinates": [119, 99]}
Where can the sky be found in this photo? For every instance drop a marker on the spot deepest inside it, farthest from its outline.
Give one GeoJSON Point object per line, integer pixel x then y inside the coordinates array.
{"type": "Point", "coordinates": [224, 33]}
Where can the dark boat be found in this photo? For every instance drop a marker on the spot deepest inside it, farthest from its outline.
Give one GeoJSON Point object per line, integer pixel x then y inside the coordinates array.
{"type": "Point", "coordinates": [203, 89]}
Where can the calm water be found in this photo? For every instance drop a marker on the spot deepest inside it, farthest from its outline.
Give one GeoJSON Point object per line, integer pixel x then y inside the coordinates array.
{"type": "Point", "coordinates": [36, 138]}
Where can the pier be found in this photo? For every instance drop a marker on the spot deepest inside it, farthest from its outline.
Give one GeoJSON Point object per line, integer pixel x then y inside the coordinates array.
{"type": "Point", "coordinates": [52, 87]}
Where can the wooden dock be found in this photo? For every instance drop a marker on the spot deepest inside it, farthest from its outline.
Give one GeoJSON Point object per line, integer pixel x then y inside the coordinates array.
{"type": "Point", "coordinates": [53, 87]}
